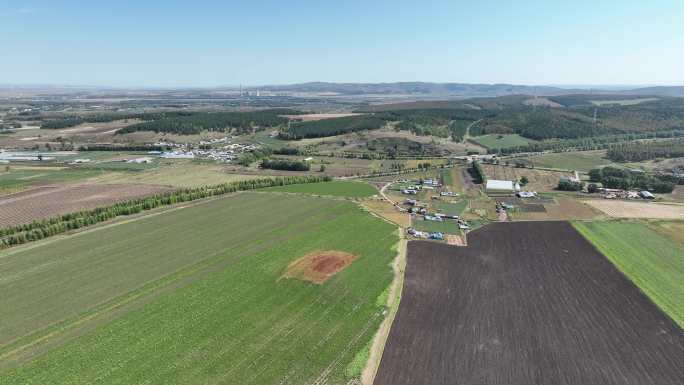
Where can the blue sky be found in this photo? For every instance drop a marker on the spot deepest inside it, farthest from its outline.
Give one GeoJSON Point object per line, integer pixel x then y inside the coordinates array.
{"type": "Point", "coordinates": [213, 43]}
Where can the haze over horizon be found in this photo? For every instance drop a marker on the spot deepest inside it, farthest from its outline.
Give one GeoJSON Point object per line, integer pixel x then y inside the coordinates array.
{"type": "Point", "coordinates": [211, 43]}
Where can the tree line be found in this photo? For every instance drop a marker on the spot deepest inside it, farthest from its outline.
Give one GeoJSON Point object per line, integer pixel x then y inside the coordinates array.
{"type": "Point", "coordinates": [285, 164]}
{"type": "Point", "coordinates": [113, 147]}
{"type": "Point", "coordinates": [477, 172]}
{"type": "Point", "coordinates": [584, 144]}
{"type": "Point", "coordinates": [16, 235]}
{"type": "Point", "coordinates": [639, 151]}
{"type": "Point", "coordinates": [619, 178]}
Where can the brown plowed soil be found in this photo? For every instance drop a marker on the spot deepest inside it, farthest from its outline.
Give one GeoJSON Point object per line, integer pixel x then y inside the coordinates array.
{"type": "Point", "coordinates": [526, 303]}
{"type": "Point", "coordinates": [319, 266]}
{"type": "Point", "coordinates": [50, 201]}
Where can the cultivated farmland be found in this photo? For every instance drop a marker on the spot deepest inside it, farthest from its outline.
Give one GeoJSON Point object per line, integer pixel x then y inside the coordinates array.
{"type": "Point", "coordinates": [652, 261]}
{"type": "Point", "coordinates": [197, 295]}
{"type": "Point", "coordinates": [626, 209]}
{"type": "Point", "coordinates": [50, 201]}
{"type": "Point", "coordinates": [335, 188]}
{"type": "Point", "coordinates": [526, 303]}
{"type": "Point", "coordinates": [576, 160]}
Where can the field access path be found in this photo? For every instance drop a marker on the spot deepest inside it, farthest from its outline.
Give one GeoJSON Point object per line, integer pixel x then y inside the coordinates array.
{"type": "Point", "coordinates": [526, 303]}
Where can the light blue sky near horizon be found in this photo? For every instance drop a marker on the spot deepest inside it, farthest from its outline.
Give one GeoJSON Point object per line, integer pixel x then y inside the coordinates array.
{"type": "Point", "coordinates": [217, 43]}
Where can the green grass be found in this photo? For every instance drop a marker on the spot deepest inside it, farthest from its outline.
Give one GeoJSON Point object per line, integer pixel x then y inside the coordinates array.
{"type": "Point", "coordinates": [121, 166]}
{"type": "Point", "coordinates": [501, 140]}
{"type": "Point", "coordinates": [20, 177]}
{"type": "Point", "coordinates": [451, 208]}
{"type": "Point", "coordinates": [652, 261]}
{"type": "Point", "coordinates": [334, 188]}
{"type": "Point", "coordinates": [579, 160]}
{"type": "Point", "coordinates": [194, 296]}
{"type": "Point", "coordinates": [447, 226]}
{"type": "Point", "coordinates": [447, 177]}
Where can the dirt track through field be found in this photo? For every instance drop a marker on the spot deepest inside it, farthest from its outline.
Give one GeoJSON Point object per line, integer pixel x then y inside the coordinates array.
{"type": "Point", "coordinates": [49, 201]}
{"type": "Point", "coordinates": [526, 303]}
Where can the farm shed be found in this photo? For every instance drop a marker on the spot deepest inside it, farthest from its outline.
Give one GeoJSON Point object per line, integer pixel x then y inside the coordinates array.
{"type": "Point", "coordinates": [494, 185]}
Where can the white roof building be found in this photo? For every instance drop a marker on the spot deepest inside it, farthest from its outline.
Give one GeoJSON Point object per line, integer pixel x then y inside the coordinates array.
{"type": "Point", "coordinates": [502, 185]}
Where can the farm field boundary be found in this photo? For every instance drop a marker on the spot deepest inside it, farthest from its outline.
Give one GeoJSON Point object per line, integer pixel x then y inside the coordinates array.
{"type": "Point", "coordinates": [626, 209]}
{"type": "Point", "coordinates": [524, 303]}
{"type": "Point", "coordinates": [239, 323]}
{"type": "Point", "coordinates": [653, 262]}
{"type": "Point", "coordinates": [351, 189]}
{"type": "Point", "coordinates": [16, 235]}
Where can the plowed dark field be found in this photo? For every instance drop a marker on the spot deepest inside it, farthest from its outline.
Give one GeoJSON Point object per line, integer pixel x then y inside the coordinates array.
{"type": "Point", "coordinates": [49, 201]}
{"type": "Point", "coordinates": [526, 303]}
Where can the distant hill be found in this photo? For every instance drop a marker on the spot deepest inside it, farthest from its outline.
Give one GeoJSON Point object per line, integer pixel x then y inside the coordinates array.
{"type": "Point", "coordinates": [416, 90]}
{"type": "Point", "coordinates": [677, 91]}
{"type": "Point", "coordinates": [419, 89]}
{"type": "Point", "coordinates": [426, 89]}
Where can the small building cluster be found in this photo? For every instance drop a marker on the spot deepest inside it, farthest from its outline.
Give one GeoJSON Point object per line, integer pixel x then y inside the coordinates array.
{"type": "Point", "coordinates": [425, 235]}
{"type": "Point", "coordinates": [420, 184]}
{"type": "Point", "coordinates": [613, 193]}
{"type": "Point", "coordinates": [209, 149]}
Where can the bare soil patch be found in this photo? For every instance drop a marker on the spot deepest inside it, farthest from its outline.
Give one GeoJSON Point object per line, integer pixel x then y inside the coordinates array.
{"type": "Point", "coordinates": [541, 102]}
{"type": "Point", "coordinates": [562, 208]}
{"type": "Point", "coordinates": [50, 201]}
{"type": "Point", "coordinates": [319, 266]}
{"type": "Point", "coordinates": [455, 240]}
{"type": "Point", "coordinates": [387, 211]}
{"type": "Point", "coordinates": [100, 128]}
{"type": "Point", "coordinates": [526, 303]}
{"type": "Point", "coordinates": [626, 209]}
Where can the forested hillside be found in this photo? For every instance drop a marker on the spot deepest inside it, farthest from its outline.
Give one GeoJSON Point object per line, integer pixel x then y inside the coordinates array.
{"type": "Point", "coordinates": [330, 127]}
{"type": "Point", "coordinates": [194, 123]}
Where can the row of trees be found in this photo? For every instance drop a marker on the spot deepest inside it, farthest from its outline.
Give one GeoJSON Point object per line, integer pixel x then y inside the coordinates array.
{"type": "Point", "coordinates": [619, 178]}
{"type": "Point", "coordinates": [285, 164]}
{"type": "Point", "coordinates": [477, 172]}
{"type": "Point", "coordinates": [585, 144]}
{"type": "Point", "coordinates": [565, 184]}
{"type": "Point", "coordinates": [287, 151]}
{"type": "Point", "coordinates": [639, 151]}
{"type": "Point", "coordinates": [16, 235]}
{"type": "Point", "coordinates": [127, 147]}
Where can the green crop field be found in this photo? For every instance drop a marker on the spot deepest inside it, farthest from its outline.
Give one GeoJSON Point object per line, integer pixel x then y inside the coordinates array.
{"type": "Point", "coordinates": [194, 295]}
{"type": "Point", "coordinates": [447, 177]}
{"type": "Point", "coordinates": [501, 140]}
{"type": "Point", "coordinates": [14, 178]}
{"type": "Point", "coordinates": [451, 208]}
{"type": "Point", "coordinates": [578, 160]}
{"type": "Point", "coordinates": [334, 188]}
{"type": "Point", "coordinates": [652, 261]}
